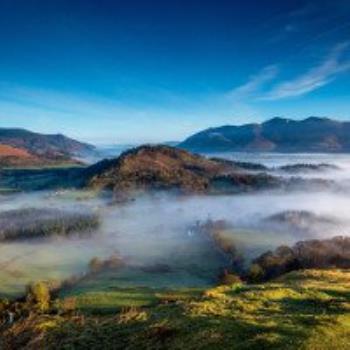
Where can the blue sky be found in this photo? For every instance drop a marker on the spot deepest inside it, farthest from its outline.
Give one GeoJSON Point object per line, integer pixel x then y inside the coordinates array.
{"type": "Point", "coordinates": [110, 71]}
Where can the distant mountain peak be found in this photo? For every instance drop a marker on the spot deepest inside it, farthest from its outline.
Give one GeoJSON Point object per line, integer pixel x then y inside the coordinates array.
{"type": "Point", "coordinates": [318, 119]}
{"type": "Point", "coordinates": [277, 120]}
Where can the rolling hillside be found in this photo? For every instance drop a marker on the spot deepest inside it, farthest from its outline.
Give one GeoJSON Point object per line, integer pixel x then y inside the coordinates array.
{"type": "Point", "coordinates": [302, 310]}
{"type": "Point", "coordinates": [19, 147]}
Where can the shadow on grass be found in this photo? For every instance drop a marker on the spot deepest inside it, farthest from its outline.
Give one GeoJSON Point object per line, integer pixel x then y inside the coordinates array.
{"type": "Point", "coordinates": [342, 294]}
{"type": "Point", "coordinates": [175, 331]}
{"type": "Point", "coordinates": [113, 301]}
{"type": "Point", "coordinates": [314, 307]}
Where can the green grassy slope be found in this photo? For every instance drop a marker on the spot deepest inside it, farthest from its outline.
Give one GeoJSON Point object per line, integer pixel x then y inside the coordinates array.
{"type": "Point", "coordinates": [302, 310]}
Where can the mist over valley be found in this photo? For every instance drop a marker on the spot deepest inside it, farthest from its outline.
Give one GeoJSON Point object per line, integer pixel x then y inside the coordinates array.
{"type": "Point", "coordinates": [174, 175]}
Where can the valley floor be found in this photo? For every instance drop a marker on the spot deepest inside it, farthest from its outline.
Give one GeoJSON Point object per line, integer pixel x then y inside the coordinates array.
{"type": "Point", "coordinates": [301, 310]}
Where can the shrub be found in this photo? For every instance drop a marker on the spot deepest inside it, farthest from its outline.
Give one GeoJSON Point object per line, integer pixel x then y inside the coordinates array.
{"type": "Point", "coordinates": [132, 314]}
{"type": "Point", "coordinates": [229, 278]}
{"type": "Point", "coordinates": [39, 294]}
{"type": "Point", "coordinates": [256, 273]}
{"type": "Point", "coordinates": [68, 304]}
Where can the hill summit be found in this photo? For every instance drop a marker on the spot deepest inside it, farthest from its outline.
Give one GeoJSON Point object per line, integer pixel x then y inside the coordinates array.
{"type": "Point", "coordinates": [159, 168]}
{"type": "Point", "coordinates": [154, 167]}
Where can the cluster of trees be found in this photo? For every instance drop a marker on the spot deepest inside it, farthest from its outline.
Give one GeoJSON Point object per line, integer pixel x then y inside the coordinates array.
{"type": "Point", "coordinates": [97, 265]}
{"type": "Point", "coordinates": [215, 230]}
{"type": "Point", "coordinates": [35, 223]}
{"type": "Point", "coordinates": [238, 182]}
{"type": "Point", "coordinates": [329, 253]}
{"type": "Point", "coordinates": [310, 254]}
{"type": "Point", "coordinates": [302, 167]}
{"type": "Point", "coordinates": [300, 222]}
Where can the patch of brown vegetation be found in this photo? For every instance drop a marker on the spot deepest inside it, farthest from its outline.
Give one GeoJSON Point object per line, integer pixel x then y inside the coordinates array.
{"type": "Point", "coordinates": [10, 151]}
{"type": "Point", "coordinates": [14, 156]}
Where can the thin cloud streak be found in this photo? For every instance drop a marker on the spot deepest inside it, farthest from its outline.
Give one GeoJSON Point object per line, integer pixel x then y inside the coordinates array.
{"type": "Point", "coordinates": [255, 83]}
{"type": "Point", "coordinates": [317, 77]}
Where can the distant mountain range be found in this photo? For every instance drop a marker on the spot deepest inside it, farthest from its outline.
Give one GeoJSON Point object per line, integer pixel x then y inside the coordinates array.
{"type": "Point", "coordinates": [313, 134]}
{"type": "Point", "coordinates": [20, 147]}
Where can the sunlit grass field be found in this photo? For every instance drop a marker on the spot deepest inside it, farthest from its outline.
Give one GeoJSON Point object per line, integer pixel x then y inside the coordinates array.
{"type": "Point", "coordinates": [302, 310]}
{"type": "Point", "coordinates": [309, 310]}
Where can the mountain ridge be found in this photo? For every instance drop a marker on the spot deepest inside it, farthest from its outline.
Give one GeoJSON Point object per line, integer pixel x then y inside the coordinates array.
{"type": "Point", "coordinates": [313, 134]}
{"type": "Point", "coordinates": [21, 147]}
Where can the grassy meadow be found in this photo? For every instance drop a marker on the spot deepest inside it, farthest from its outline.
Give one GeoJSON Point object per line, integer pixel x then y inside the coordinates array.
{"type": "Point", "coordinates": [302, 310]}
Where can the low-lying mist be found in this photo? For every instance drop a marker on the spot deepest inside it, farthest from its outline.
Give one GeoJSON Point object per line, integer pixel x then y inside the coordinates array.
{"type": "Point", "coordinates": [159, 230]}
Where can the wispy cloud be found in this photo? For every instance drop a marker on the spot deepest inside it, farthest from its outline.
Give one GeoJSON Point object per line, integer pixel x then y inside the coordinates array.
{"type": "Point", "coordinates": [255, 83]}
{"type": "Point", "coordinates": [331, 67]}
